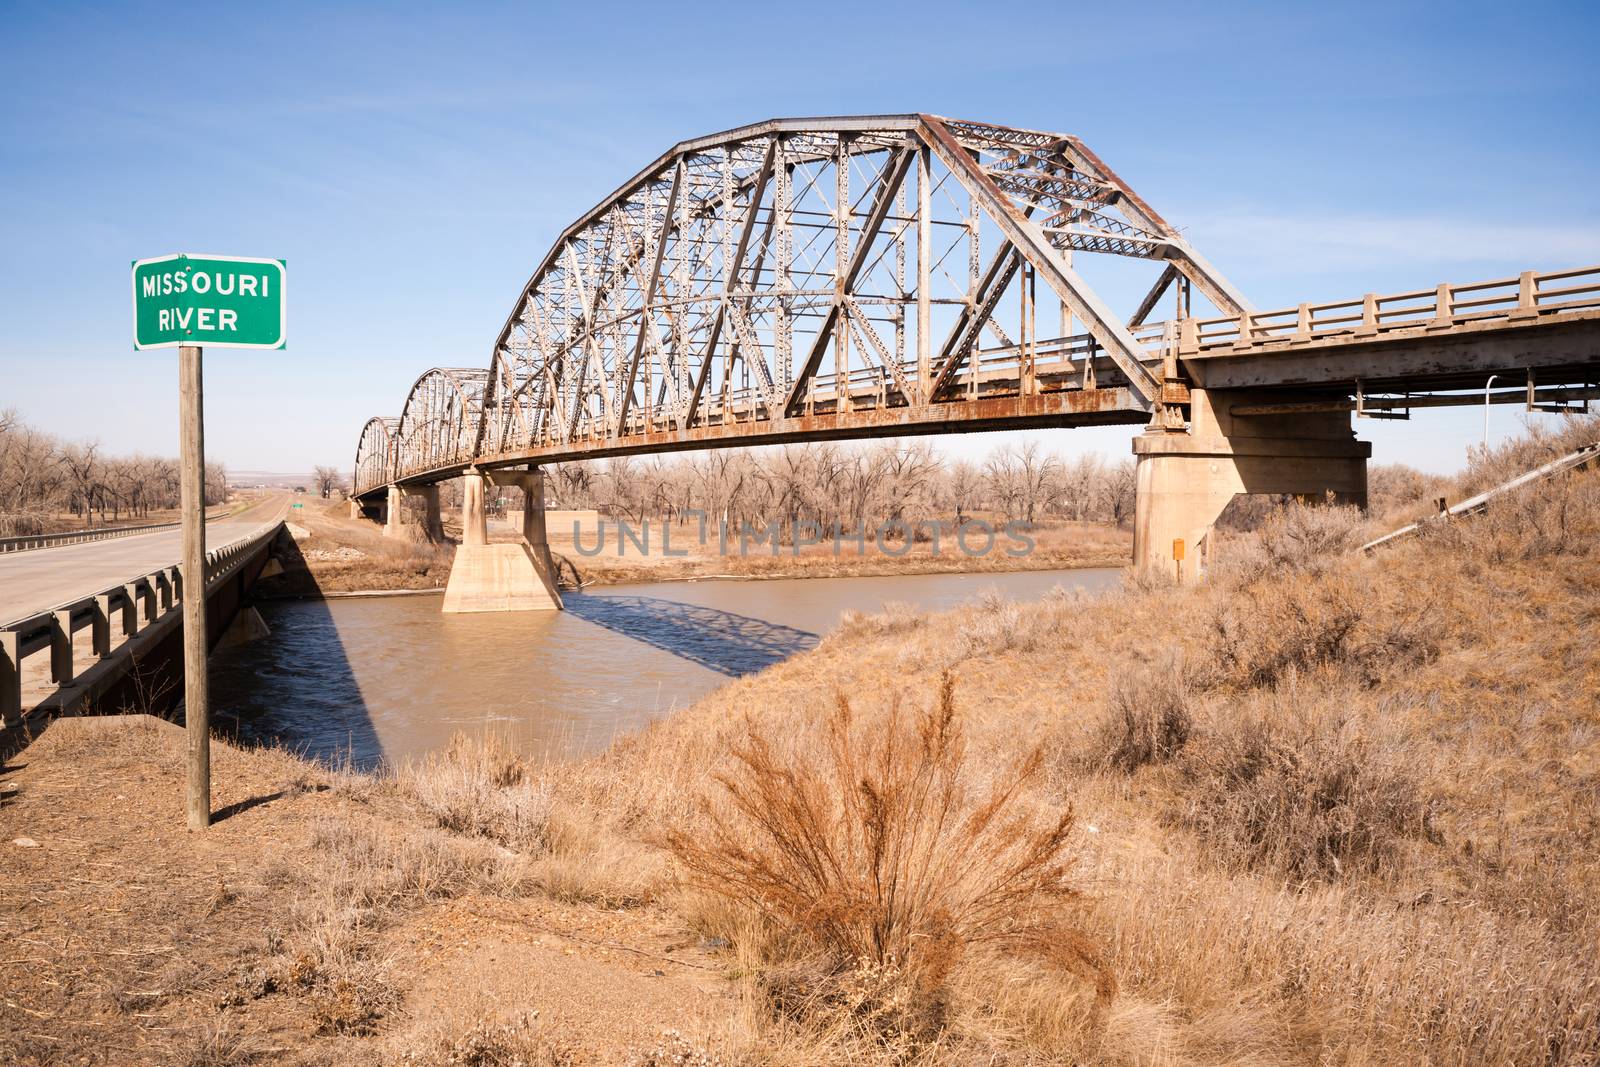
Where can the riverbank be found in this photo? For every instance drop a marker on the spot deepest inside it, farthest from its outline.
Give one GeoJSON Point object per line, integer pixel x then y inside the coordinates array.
{"type": "Point", "coordinates": [1052, 545]}
{"type": "Point", "coordinates": [1328, 808]}
{"type": "Point", "coordinates": [340, 554]}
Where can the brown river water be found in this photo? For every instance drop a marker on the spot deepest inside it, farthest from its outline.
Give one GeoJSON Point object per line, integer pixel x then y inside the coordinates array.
{"type": "Point", "coordinates": [389, 679]}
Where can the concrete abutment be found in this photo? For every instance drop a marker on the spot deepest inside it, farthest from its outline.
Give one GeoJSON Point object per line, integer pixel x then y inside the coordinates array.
{"type": "Point", "coordinates": [1186, 478]}
{"type": "Point", "coordinates": [513, 576]}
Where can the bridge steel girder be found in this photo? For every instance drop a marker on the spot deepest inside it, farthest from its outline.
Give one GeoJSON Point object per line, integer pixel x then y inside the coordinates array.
{"type": "Point", "coordinates": [1109, 406]}
{"type": "Point", "coordinates": [678, 305]}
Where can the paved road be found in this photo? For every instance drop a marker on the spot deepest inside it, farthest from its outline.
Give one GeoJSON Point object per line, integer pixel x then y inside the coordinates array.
{"type": "Point", "coordinates": [42, 578]}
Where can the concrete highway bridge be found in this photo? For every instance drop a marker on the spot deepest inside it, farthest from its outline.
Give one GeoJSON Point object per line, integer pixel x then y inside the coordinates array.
{"type": "Point", "coordinates": [96, 621]}
{"type": "Point", "coordinates": [881, 276]}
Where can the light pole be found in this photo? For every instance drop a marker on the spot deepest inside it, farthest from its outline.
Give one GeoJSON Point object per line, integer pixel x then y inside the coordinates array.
{"type": "Point", "coordinates": [1486, 386]}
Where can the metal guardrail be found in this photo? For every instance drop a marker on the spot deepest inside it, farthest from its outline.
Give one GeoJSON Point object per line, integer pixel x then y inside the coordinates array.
{"type": "Point", "coordinates": [1585, 455]}
{"type": "Point", "coordinates": [26, 542]}
{"type": "Point", "coordinates": [158, 592]}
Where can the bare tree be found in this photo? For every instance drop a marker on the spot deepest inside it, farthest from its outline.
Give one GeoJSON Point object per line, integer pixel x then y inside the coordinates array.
{"type": "Point", "coordinates": [328, 480]}
{"type": "Point", "coordinates": [1021, 478]}
{"type": "Point", "coordinates": [216, 484]}
{"type": "Point", "coordinates": [82, 464]}
{"type": "Point", "coordinates": [1118, 490]}
{"type": "Point", "coordinates": [963, 489]}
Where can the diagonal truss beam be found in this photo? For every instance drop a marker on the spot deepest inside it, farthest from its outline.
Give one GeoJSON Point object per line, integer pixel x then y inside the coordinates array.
{"type": "Point", "coordinates": [963, 335]}
{"type": "Point", "coordinates": [1114, 338]}
{"type": "Point", "coordinates": [894, 175]}
{"type": "Point", "coordinates": [646, 314]}
{"type": "Point", "coordinates": [1169, 274]}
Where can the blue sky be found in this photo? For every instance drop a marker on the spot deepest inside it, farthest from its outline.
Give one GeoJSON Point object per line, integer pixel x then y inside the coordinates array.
{"type": "Point", "coordinates": [412, 165]}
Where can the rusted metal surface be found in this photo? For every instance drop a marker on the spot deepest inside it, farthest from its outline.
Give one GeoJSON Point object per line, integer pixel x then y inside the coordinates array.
{"type": "Point", "coordinates": [805, 277]}
{"type": "Point", "coordinates": [752, 287]}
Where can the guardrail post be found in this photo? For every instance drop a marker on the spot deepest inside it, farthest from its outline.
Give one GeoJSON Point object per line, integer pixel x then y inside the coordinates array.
{"type": "Point", "coordinates": [1188, 335]}
{"type": "Point", "coordinates": [1369, 313]}
{"type": "Point", "coordinates": [1302, 324]}
{"type": "Point", "coordinates": [10, 677]}
{"type": "Point", "coordinates": [102, 625]}
{"type": "Point", "coordinates": [61, 646]}
{"type": "Point", "coordinates": [130, 609]}
{"type": "Point", "coordinates": [152, 607]}
{"type": "Point", "coordinates": [166, 589]}
{"type": "Point", "coordinates": [1527, 294]}
{"type": "Point", "coordinates": [1443, 305]}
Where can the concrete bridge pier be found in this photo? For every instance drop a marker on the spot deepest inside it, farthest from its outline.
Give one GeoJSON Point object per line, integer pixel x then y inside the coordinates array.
{"type": "Point", "coordinates": [517, 576]}
{"type": "Point", "coordinates": [402, 522]}
{"type": "Point", "coordinates": [1186, 478]}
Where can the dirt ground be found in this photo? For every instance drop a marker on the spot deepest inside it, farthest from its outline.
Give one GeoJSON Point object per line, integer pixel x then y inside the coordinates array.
{"type": "Point", "coordinates": [130, 940]}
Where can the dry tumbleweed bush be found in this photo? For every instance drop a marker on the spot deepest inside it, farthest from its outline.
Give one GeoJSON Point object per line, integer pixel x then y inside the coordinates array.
{"type": "Point", "coordinates": [877, 845]}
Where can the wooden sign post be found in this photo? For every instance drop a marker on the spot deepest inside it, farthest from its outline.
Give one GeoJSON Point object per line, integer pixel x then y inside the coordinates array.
{"type": "Point", "coordinates": [192, 501]}
{"type": "Point", "coordinates": [183, 301]}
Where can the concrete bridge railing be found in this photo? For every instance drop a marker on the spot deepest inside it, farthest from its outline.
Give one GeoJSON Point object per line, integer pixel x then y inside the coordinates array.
{"type": "Point", "coordinates": [146, 605]}
{"type": "Point", "coordinates": [1522, 298]}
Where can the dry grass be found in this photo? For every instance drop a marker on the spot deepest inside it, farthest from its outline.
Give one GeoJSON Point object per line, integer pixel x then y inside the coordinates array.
{"type": "Point", "coordinates": [1273, 630]}
{"type": "Point", "coordinates": [479, 786]}
{"type": "Point", "coordinates": [1356, 827]}
{"type": "Point", "coordinates": [895, 618]}
{"type": "Point", "coordinates": [520, 1041]}
{"type": "Point", "coordinates": [1329, 809]}
{"type": "Point", "coordinates": [1300, 788]}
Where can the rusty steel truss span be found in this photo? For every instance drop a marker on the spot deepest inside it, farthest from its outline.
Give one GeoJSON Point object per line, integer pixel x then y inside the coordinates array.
{"type": "Point", "coordinates": [806, 278]}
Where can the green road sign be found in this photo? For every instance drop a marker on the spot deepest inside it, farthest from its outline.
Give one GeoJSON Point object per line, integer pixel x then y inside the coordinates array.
{"type": "Point", "coordinates": [230, 301]}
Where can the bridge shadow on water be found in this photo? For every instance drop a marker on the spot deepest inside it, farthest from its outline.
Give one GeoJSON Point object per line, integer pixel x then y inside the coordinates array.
{"type": "Point", "coordinates": [296, 687]}
{"type": "Point", "coordinates": [721, 641]}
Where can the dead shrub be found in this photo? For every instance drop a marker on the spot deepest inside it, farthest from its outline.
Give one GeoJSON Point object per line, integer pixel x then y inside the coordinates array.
{"type": "Point", "coordinates": [895, 618]}
{"type": "Point", "coordinates": [996, 626]}
{"type": "Point", "coordinates": [673, 1049]}
{"type": "Point", "coordinates": [349, 998]}
{"type": "Point", "coordinates": [1307, 795]}
{"type": "Point", "coordinates": [1149, 719]}
{"type": "Point", "coordinates": [219, 1043]}
{"type": "Point", "coordinates": [1310, 538]}
{"type": "Point", "coordinates": [1541, 443]}
{"type": "Point", "coordinates": [882, 858]}
{"type": "Point", "coordinates": [1544, 520]}
{"type": "Point", "coordinates": [1273, 629]}
{"type": "Point", "coordinates": [518, 1042]}
{"type": "Point", "coordinates": [481, 787]}
{"type": "Point", "coordinates": [365, 868]}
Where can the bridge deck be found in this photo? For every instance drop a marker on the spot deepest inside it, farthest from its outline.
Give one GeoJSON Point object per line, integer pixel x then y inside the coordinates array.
{"type": "Point", "coordinates": [31, 582]}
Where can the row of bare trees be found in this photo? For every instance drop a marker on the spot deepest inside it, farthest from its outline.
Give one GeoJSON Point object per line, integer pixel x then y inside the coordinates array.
{"type": "Point", "coordinates": [852, 486]}
{"type": "Point", "coordinates": [43, 479]}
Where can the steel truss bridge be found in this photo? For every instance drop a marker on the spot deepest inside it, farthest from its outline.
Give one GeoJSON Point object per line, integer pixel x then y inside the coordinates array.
{"type": "Point", "coordinates": [810, 279]}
